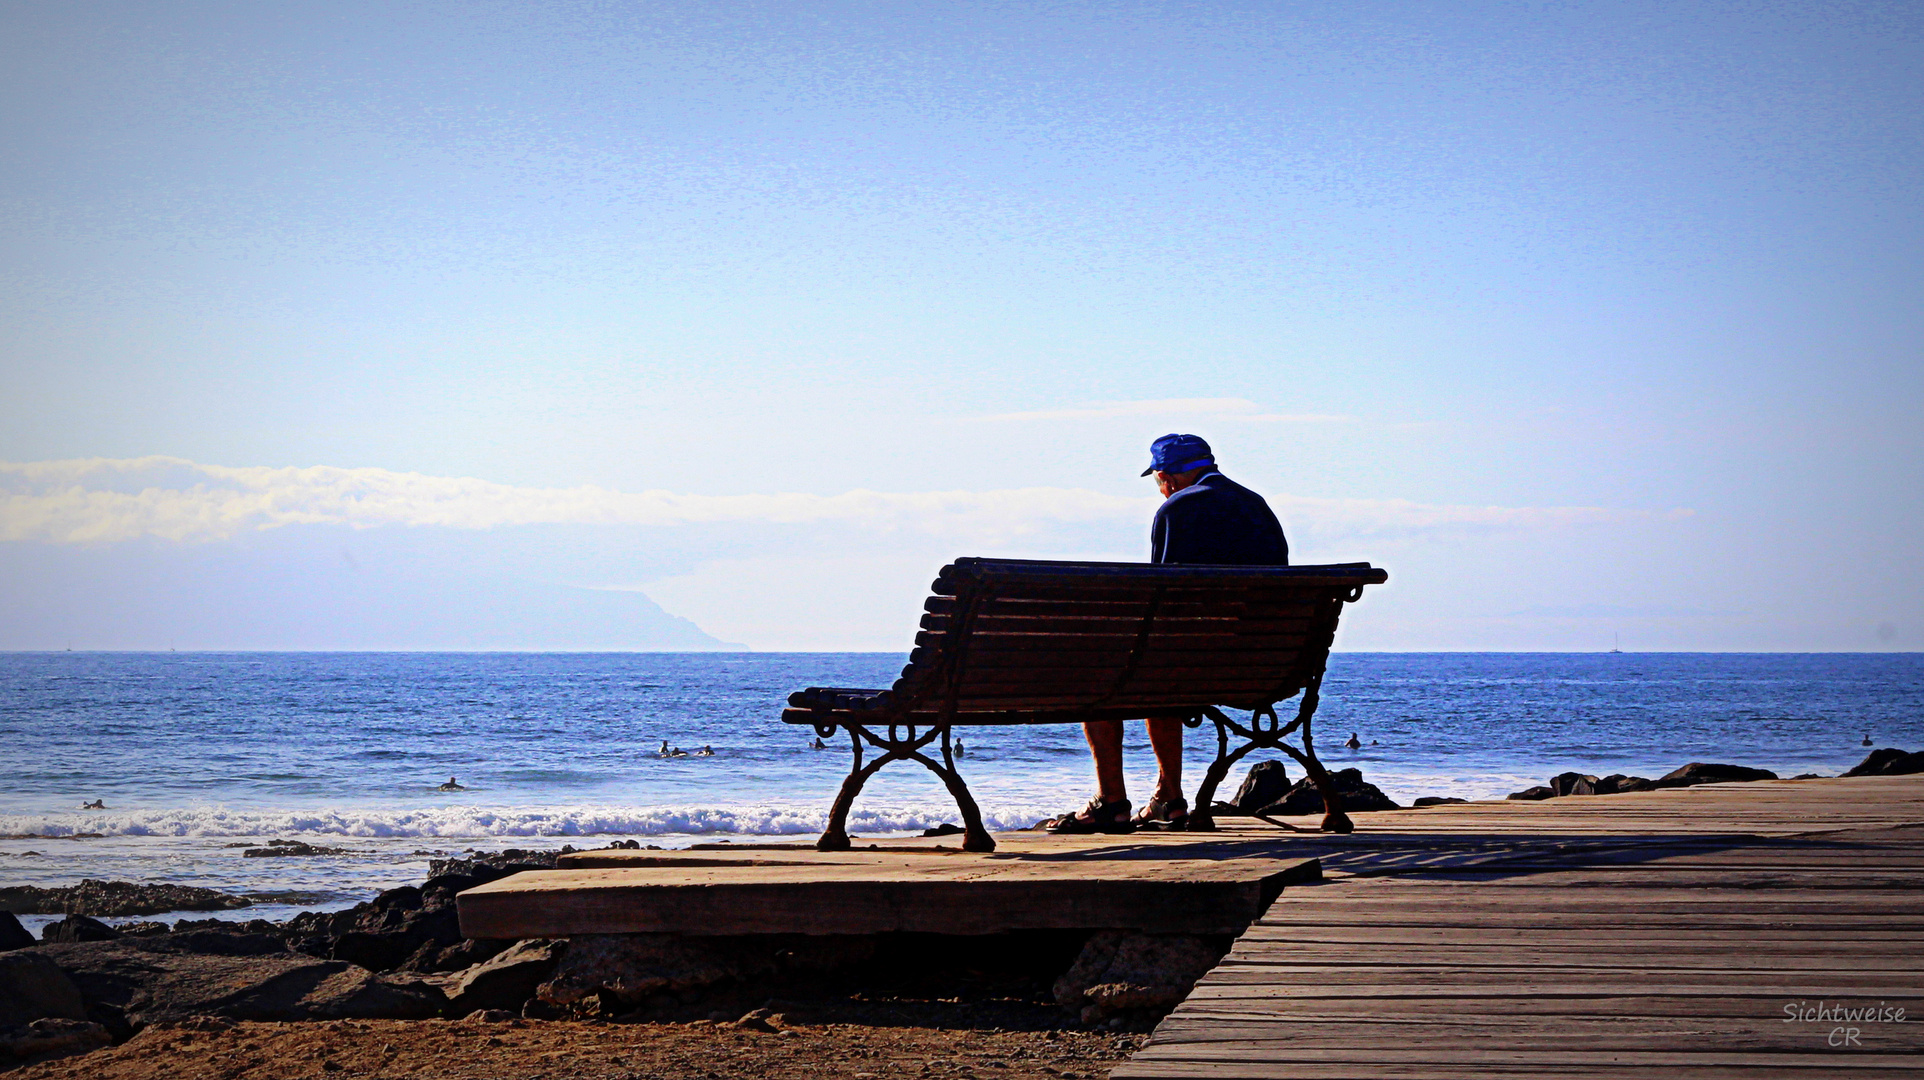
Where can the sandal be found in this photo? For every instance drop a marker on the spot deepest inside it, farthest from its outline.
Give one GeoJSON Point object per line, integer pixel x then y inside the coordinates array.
{"type": "Point", "coordinates": [1097, 817]}
{"type": "Point", "coordinates": [1170, 814]}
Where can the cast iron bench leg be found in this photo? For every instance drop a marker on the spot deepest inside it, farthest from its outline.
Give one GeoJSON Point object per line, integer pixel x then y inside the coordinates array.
{"type": "Point", "coordinates": [835, 837]}
{"type": "Point", "coordinates": [1268, 733]}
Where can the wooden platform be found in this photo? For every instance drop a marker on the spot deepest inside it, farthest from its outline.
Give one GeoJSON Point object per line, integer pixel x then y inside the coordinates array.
{"type": "Point", "coordinates": [1659, 934]}
{"type": "Point", "coordinates": [1181, 884]}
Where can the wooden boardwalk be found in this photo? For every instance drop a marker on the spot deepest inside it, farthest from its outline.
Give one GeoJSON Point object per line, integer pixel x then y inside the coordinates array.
{"type": "Point", "coordinates": [1705, 932]}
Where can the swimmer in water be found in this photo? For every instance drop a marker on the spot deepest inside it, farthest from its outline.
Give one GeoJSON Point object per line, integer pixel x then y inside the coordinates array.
{"type": "Point", "coordinates": [664, 751]}
{"type": "Point", "coordinates": [818, 744]}
{"type": "Point", "coordinates": [1354, 743]}
{"type": "Point", "coordinates": [95, 805]}
{"type": "Point", "coordinates": [1867, 738]}
{"type": "Point", "coordinates": [705, 751]}
{"type": "Point", "coordinates": [959, 748]}
{"type": "Point", "coordinates": [451, 785]}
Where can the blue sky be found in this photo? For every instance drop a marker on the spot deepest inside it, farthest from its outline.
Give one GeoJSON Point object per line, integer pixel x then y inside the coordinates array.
{"type": "Point", "coordinates": [1588, 321]}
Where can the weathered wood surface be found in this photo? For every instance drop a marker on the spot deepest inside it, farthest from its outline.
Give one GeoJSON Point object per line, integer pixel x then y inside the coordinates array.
{"type": "Point", "coordinates": [1657, 934]}
{"type": "Point", "coordinates": [795, 890]}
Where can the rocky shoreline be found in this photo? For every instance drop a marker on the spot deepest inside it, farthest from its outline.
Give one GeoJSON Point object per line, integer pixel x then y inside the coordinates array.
{"type": "Point", "coordinates": [401, 957]}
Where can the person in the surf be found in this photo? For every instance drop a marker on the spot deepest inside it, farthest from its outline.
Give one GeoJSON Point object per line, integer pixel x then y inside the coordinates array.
{"type": "Point", "coordinates": [1205, 517]}
{"type": "Point", "coordinates": [451, 785]}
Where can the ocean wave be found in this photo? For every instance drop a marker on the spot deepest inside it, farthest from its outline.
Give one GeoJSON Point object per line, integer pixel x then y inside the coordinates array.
{"type": "Point", "coordinates": [476, 822]}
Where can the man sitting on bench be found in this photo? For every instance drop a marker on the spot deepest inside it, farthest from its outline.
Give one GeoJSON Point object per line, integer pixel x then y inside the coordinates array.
{"type": "Point", "coordinates": [1205, 518]}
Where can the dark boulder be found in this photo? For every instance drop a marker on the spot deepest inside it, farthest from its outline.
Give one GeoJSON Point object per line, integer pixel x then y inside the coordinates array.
{"type": "Point", "coordinates": [12, 934]}
{"type": "Point", "coordinates": [1873, 764]}
{"type": "Point", "coordinates": [1573, 783]}
{"type": "Point", "coordinates": [52, 1037]}
{"type": "Point", "coordinates": [389, 931]}
{"type": "Point", "coordinates": [1889, 761]}
{"type": "Point", "coordinates": [1634, 783]}
{"type": "Point", "coordinates": [1357, 795]}
{"type": "Point", "coordinates": [1532, 794]}
{"type": "Point", "coordinates": [507, 980]}
{"type": "Point", "coordinates": [239, 976]}
{"type": "Point", "coordinates": [1436, 800]}
{"type": "Point", "coordinates": [1908, 765]}
{"type": "Point", "coordinates": [1266, 784]}
{"type": "Point", "coordinates": [78, 928]}
{"type": "Point", "coordinates": [33, 986]}
{"type": "Point", "coordinates": [467, 953]}
{"type": "Point", "coordinates": [1703, 772]}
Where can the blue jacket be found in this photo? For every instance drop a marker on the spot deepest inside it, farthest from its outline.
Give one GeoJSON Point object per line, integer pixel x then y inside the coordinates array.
{"type": "Point", "coordinates": [1217, 520]}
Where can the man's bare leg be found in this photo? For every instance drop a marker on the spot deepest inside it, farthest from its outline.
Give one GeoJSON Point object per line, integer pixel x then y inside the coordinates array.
{"type": "Point", "coordinates": [1165, 737]}
{"type": "Point", "coordinates": [1105, 743]}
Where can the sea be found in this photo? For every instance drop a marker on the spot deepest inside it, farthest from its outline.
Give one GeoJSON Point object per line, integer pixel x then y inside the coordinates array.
{"type": "Point", "coordinates": [197, 758]}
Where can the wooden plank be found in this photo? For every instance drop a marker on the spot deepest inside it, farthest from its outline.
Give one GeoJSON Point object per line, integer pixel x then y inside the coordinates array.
{"type": "Point", "coordinates": [1162, 626]}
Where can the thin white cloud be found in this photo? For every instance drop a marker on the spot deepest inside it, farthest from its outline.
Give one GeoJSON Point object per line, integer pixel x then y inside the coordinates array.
{"type": "Point", "coordinates": [100, 500]}
{"type": "Point", "coordinates": [1223, 408]}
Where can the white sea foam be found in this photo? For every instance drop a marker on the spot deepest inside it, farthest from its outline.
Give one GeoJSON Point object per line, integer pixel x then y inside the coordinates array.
{"type": "Point", "coordinates": [468, 822]}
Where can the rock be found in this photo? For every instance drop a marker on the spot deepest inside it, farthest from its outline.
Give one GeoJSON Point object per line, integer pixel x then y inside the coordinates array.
{"type": "Point", "coordinates": [1267, 783]}
{"type": "Point", "coordinates": [465, 954]}
{"type": "Point", "coordinates": [508, 979]}
{"type": "Point", "coordinates": [1808, 776]}
{"type": "Point", "coordinates": [1532, 794]}
{"type": "Point", "coordinates": [1572, 783]}
{"type": "Point", "coordinates": [108, 899]}
{"type": "Point", "coordinates": [147, 928]}
{"type": "Point", "coordinates": [278, 848]}
{"type": "Point", "coordinates": [1436, 800]}
{"type": "Point", "coordinates": [390, 930]}
{"type": "Point", "coordinates": [1121, 971]}
{"type": "Point", "coordinates": [53, 1037]}
{"type": "Point", "coordinates": [490, 1016]}
{"type": "Point", "coordinates": [756, 1020]}
{"type": "Point", "coordinates": [239, 976]}
{"type": "Point", "coordinates": [32, 986]}
{"type": "Point", "coordinates": [630, 967]}
{"type": "Point", "coordinates": [1634, 783]}
{"type": "Point", "coordinates": [78, 928]}
{"type": "Point", "coordinates": [1889, 761]}
{"type": "Point", "coordinates": [947, 828]}
{"type": "Point", "coordinates": [1108, 999]}
{"type": "Point", "coordinates": [12, 934]}
{"type": "Point", "coordinates": [1702, 772]}
{"type": "Point", "coordinates": [1908, 765]}
{"type": "Point", "coordinates": [500, 864]}
{"type": "Point", "coordinates": [221, 926]}
{"type": "Point", "coordinates": [1307, 798]}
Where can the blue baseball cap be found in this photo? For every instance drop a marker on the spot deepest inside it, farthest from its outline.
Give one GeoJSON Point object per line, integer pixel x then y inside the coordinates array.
{"type": "Point", "coordinates": [1178, 453]}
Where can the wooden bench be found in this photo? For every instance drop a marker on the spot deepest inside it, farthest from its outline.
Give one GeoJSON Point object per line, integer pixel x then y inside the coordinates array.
{"type": "Point", "coordinates": [1009, 641]}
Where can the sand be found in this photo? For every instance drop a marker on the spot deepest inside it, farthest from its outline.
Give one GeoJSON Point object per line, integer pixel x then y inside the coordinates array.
{"type": "Point", "coordinates": [573, 1050]}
